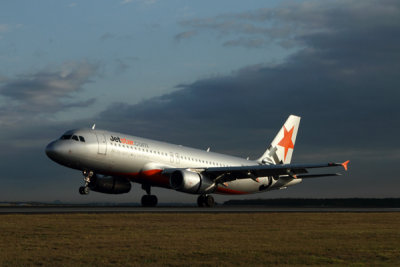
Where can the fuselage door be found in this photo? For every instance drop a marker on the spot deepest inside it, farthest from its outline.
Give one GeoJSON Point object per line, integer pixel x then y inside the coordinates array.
{"type": "Point", "coordinates": [101, 139]}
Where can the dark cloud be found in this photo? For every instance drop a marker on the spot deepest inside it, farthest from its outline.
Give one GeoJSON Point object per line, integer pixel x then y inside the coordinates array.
{"type": "Point", "coordinates": [45, 92]}
{"type": "Point", "coordinates": [288, 22]}
{"type": "Point", "coordinates": [343, 82]}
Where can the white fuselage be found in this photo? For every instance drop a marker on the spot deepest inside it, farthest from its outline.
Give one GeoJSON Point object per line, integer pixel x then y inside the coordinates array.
{"type": "Point", "coordinates": [142, 160]}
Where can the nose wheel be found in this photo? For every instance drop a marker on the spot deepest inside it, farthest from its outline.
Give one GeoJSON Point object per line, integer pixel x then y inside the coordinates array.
{"type": "Point", "coordinates": [205, 201]}
{"type": "Point", "coordinates": [84, 190]}
{"type": "Point", "coordinates": [148, 200]}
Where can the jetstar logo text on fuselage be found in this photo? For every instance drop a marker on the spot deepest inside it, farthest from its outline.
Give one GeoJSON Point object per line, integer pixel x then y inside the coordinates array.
{"type": "Point", "coordinates": [127, 141]}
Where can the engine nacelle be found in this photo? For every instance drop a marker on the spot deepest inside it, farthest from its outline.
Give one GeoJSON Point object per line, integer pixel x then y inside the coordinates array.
{"type": "Point", "coordinates": [267, 182]}
{"type": "Point", "coordinates": [110, 185]}
{"type": "Point", "coordinates": [191, 182]}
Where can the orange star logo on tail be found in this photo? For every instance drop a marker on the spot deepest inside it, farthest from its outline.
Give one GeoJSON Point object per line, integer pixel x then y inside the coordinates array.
{"type": "Point", "coordinates": [286, 141]}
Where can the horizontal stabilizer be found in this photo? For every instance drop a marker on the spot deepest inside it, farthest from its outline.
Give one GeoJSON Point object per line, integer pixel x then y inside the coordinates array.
{"type": "Point", "coordinates": [306, 176]}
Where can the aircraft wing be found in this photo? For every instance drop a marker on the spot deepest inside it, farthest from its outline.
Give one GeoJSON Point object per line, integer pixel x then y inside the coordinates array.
{"type": "Point", "coordinates": [225, 174]}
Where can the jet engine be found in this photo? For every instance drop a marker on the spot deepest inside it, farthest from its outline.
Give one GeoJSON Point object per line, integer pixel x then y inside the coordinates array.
{"type": "Point", "coordinates": [191, 182]}
{"type": "Point", "coordinates": [267, 182]}
{"type": "Point", "coordinates": [110, 185]}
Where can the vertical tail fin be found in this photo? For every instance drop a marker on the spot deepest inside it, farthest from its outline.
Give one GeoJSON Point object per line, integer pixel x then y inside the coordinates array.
{"type": "Point", "coordinates": [281, 149]}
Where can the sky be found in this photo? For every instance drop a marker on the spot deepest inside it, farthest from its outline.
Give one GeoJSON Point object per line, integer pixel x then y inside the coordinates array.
{"type": "Point", "coordinates": [220, 74]}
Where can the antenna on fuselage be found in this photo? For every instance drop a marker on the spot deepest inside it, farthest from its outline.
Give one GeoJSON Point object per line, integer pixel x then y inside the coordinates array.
{"type": "Point", "coordinates": [208, 149]}
{"type": "Point", "coordinates": [94, 126]}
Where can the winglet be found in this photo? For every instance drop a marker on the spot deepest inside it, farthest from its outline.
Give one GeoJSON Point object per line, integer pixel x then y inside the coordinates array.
{"type": "Point", "coordinates": [344, 164]}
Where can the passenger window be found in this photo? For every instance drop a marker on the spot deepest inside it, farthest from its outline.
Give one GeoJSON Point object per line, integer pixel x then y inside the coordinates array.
{"type": "Point", "coordinates": [74, 137]}
{"type": "Point", "coordinates": [81, 138]}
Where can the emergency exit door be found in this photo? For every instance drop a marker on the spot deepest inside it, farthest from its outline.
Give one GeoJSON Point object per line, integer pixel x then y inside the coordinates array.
{"type": "Point", "coordinates": [101, 139]}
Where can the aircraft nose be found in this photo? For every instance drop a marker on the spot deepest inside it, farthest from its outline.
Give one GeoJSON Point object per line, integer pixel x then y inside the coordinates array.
{"type": "Point", "coordinates": [53, 150]}
{"type": "Point", "coordinates": [50, 151]}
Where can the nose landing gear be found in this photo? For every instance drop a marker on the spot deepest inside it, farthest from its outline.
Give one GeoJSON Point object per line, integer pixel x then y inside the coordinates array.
{"type": "Point", "coordinates": [148, 200]}
{"type": "Point", "coordinates": [84, 190]}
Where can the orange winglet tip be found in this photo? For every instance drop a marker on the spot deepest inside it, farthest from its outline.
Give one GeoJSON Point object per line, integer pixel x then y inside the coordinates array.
{"type": "Point", "coordinates": [344, 164]}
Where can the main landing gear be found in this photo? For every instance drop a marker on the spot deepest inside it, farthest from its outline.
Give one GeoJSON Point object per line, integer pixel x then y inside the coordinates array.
{"type": "Point", "coordinates": [148, 200]}
{"type": "Point", "coordinates": [84, 190]}
{"type": "Point", "coordinates": [205, 201]}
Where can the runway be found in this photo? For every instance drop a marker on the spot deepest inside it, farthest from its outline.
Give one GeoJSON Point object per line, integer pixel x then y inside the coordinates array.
{"type": "Point", "coordinates": [177, 209]}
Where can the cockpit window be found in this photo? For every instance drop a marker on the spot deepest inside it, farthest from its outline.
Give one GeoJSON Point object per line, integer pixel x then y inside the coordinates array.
{"type": "Point", "coordinates": [66, 137]}
{"type": "Point", "coordinates": [73, 137]}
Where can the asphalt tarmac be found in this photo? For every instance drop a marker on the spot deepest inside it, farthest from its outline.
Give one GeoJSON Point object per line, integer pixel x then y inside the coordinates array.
{"type": "Point", "coordinates": [174, 209]}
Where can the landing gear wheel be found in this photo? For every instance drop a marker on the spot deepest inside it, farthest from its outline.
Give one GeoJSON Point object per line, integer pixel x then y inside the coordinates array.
{"type": "Point", "coordinates": [205, 201]}
{"type": "Point", "coordinates": [209, 201]}
{"type": "Point", "coordinates": [84, 190]}
{"type": "Point", "coordinates": [149, 201]}
{"type": "Point", "coordinates": [201, 200]}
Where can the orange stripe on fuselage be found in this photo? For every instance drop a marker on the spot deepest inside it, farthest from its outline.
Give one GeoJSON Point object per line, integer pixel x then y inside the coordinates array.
{"type": "Point", "coordinates": [228, 191]}
{"type": "Point", "coordinates": [154, 177]}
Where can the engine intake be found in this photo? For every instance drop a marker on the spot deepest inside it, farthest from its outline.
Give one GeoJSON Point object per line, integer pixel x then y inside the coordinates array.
{"type": "Point", "coordinates": [191, 182]}
{"type": "Point", "coordinates": [110, 185]}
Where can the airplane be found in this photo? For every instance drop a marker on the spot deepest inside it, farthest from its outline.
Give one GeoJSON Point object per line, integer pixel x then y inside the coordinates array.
{"type": "Point", "coordinates": [110, 161]}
